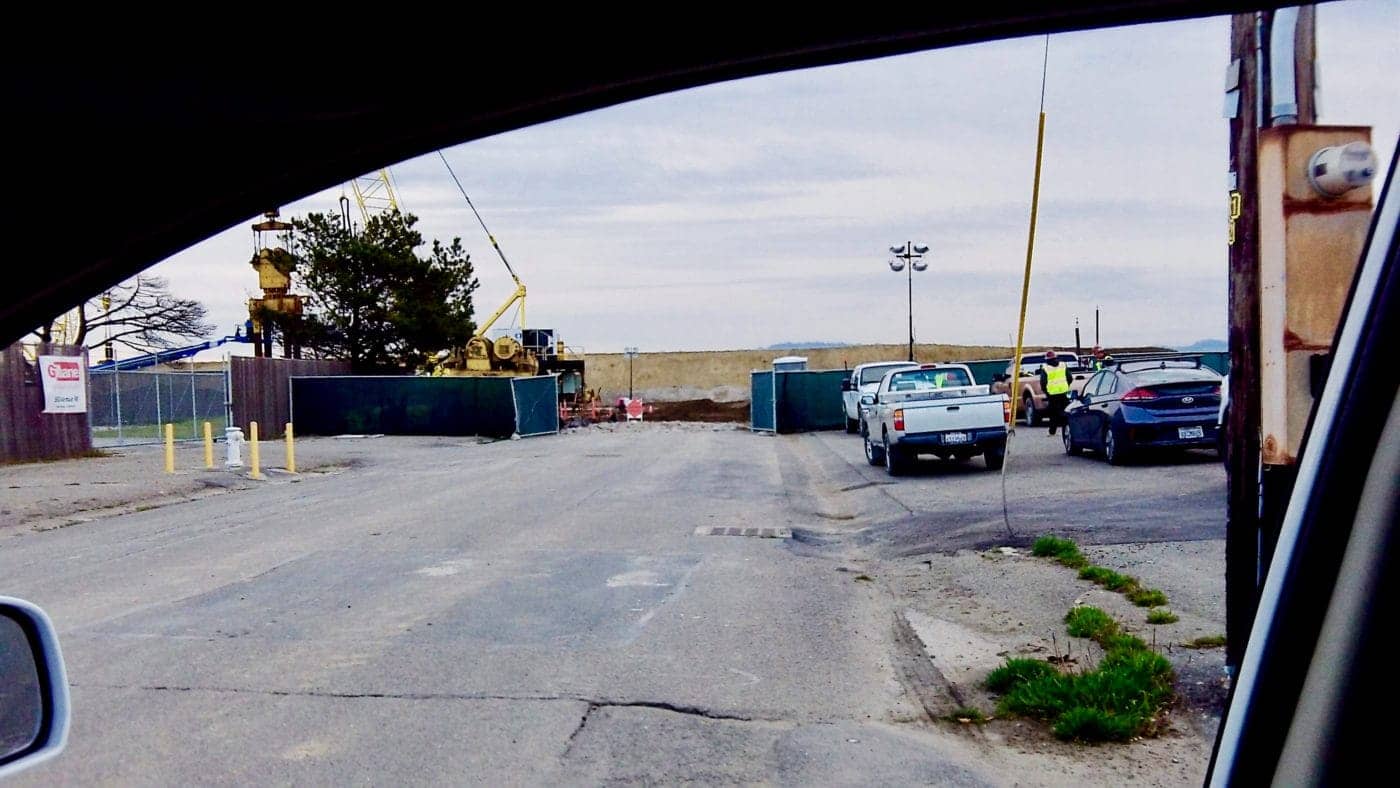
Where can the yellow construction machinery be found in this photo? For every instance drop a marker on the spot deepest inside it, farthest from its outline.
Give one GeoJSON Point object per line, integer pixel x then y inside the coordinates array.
{"type": "Point", "coordinates": [520, 351]}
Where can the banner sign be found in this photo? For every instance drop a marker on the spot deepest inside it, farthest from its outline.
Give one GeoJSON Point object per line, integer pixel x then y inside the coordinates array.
{"type": "Point", "coordinates": [65, 384]}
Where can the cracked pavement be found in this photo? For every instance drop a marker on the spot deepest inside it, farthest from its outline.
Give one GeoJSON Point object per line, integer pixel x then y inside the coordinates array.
{"type": "Point", "coordinates": [535, 611]}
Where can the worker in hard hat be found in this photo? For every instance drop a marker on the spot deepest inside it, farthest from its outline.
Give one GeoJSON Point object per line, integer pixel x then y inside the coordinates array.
{"type": "Point", "coordinates": [1099, 357]}
{"type": "Point", "coordinates": [1054, 381]}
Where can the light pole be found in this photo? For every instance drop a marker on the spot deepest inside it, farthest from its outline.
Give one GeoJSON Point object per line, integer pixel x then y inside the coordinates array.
{"type": "Point", "coordinates": [630, 353]}
{"type": "Point", "coordinates": [911, 257]}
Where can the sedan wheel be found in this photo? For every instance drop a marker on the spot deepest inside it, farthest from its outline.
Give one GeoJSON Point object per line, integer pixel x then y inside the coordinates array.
{"type": "Point", "coordinates": [1070, 447]}
{"type": "Point", "coordinates": [1112, 452]}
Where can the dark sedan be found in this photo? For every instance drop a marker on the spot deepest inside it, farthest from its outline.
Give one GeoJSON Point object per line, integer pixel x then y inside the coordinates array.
{"type": "Point", "coordinates": [1144, 405]}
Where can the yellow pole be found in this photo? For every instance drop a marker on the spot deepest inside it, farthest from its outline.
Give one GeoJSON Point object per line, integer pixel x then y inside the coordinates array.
{"type": "Point", "coordinates": [208, 445]}
{"type": "Point", "coordinates": [169, 448]}
{"type": "Point", "coordinates": [291, 451]}
{"type": "Point", "coordinates": [253, 450]}
{"type": "Point", "coordinates": [1026, 281]}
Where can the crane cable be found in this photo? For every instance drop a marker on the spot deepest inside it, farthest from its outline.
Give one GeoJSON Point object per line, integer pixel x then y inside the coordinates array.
{"type": "Point", "coordinates": [477, 213]}
{"type": "Point", "coordinates": [1025, 289]}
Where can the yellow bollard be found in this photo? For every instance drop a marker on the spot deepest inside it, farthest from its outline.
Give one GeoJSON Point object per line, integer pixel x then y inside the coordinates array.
{"type": "Point", "coordinates": [169, 448]}
{"type": "Point", "coordinates": [253, 450]}
{"type": "Point", "coordinates": [291, 451]}
{"type": "Point", "coordinates": [208, 446]}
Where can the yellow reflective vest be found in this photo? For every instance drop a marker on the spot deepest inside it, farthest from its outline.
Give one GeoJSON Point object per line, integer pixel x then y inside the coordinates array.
{"type": "Point", "coordinates": [1056, 379]}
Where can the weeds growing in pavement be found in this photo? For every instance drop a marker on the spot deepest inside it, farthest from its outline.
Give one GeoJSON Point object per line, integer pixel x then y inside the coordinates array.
{"type": "Point", "coordinates": [1067, 552]}
{"type": "Point", "coordinates": [1063, 550]}
{"type": "Point", "coordinates": [1115, 700]}
{"type": "Point", "coordinates": [1162, 616]}
{"type": "Point", "coordinates": [1208, 641]}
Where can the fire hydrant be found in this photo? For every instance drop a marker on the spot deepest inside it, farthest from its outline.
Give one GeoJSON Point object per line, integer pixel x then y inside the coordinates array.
{"type": "Point", "coordinates": [234, 437]}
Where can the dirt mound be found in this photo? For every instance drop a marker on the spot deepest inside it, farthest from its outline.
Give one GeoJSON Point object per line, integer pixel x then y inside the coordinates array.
{"type": "Point", "coordinates": [699, 410]}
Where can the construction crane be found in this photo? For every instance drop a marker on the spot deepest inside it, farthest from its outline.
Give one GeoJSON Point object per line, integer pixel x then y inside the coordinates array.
{"type": "Point", "coordinates": [375, 194]}
{"type": "Point", "coordinates": [524, 352]}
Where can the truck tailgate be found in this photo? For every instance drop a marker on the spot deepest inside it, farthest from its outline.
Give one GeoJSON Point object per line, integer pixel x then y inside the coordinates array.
{"type": "Point", "coordinates": [963, 413]}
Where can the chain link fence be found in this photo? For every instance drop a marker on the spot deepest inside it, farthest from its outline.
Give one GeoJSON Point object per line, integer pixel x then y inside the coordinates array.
{"type": "Point", "coordinates": [129, 408]}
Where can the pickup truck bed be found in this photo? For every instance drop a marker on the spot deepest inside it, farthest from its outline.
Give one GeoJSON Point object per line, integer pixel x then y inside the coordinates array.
{"type": "Point", "coordinates": [955, 421]}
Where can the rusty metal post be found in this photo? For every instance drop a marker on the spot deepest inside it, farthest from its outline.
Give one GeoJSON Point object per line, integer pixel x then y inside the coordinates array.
{"type": "Point", "coordinates": [1310, 245]}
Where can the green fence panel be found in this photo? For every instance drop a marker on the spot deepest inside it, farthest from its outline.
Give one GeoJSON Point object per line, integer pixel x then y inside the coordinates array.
{"type": "Point", "coordinates": [403, 406]}
{"type": "Point", "coordinates": [810, 400]}
{"type": "Point", "coordinates": [982, 371]}
{"type": "Point", "coordinates": [761, 414]}
{"type": "Point", "coordinates": [1218, 361]}
{"type": "Point", "coordinates": [536, 405]}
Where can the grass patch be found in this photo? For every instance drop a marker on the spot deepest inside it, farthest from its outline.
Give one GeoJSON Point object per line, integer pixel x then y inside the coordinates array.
{"type": "Point", "coordinates": [1146, 597]}
{"type": "Point", "coordinates": [1209, 641]}
{"type": "Point", "coordinates": [1114, 701]}
{"type": "Point", "coordinates": [1162, 616]}
{"type": "Point", "coordinates": [1016, 671]}
{"type": "Point", "coordinates": [966, 715]}
{"type": "Point", "coordinates": [1089, 622]}
{"type": "Point", "coordinates": [865, 578]}
{"type": "Point", "coordinates": [1127, 585]}
{"type": "Point", "coordinates": [1063, 550]}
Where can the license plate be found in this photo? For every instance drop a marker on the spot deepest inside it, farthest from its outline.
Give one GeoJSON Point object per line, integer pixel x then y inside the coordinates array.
{"type": "Point", "coordinates": [956, 437]}
{"type": "Point", "coordinates": [1191, 432]}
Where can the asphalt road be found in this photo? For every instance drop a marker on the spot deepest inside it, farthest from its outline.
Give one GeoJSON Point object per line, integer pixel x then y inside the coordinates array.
{"type": "Point", "coordinates": [944, 505]}
{"type": "Point", "coordinates": [538, 611]}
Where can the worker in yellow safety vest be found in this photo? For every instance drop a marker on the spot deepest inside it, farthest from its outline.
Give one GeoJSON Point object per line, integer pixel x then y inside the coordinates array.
{"type": "Point", "coordinates": [1099, 357]}
{"type": "Point", "coordinates": [1054, 381]}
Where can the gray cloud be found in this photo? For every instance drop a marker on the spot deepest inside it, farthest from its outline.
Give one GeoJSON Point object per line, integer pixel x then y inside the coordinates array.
{"type": "Point", "coordinates": [759, 211]}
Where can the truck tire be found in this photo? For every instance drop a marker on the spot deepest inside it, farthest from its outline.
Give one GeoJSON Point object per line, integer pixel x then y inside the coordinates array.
{"type": "Point", "coordinates": [851, 426]}
{"type": "Point", "coordinates": [896, 464]}
{"type": "Point", "coordinates": [1028, 405]}
{"type": "Point", "coordinates": [995, 458]}
{"type": "Point", "coordinates": [874, 453]}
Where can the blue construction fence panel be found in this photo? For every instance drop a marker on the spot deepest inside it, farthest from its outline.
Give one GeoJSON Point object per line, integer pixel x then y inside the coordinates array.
{"type": "Point", "coordinates": [536, 405]}
{"type": "Point", "coordinates": [761, 414]}
{"type": "Point", "coordinates": [404, 406]}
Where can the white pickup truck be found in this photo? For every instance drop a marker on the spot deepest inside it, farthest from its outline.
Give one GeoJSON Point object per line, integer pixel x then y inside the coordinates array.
{"type": "Point", "coordinates": [934, 409]}
{"type": "Point", "coordinates": [864, 379]}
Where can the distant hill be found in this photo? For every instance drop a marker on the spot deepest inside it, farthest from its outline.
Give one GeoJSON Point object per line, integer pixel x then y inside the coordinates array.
{"type": "Point", "coordinates": [805, 345]}
{"type": "Point", "coordinates": [1206, 346]}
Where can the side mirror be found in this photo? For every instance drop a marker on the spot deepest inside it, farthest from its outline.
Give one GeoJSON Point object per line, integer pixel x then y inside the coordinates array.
{"type": "Point", "coordinates": [846, 384]}
{"type": "Point", "coordinates": [33, 688]}
{"type": "Point", "coordinates": [868, 399]}
{"type": "Point", "coordinates": [1084, 398]}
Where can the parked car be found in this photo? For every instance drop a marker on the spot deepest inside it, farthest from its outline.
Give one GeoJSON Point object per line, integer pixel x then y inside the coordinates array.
{"type": "Point", "coordinates": [865, 378]}
{"type": "Point", "coordinates": [1222, 444]}
{"type": "Point", "coordinates": [934, 409]}
{"type": "Point", "coordinates": [1034, 402]}
{"type": "Point", "coordinates": [1145, 404]}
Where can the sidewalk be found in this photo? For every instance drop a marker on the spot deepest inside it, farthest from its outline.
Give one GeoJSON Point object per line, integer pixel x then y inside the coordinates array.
{"type": "Point", "coordinates": [44, 495]}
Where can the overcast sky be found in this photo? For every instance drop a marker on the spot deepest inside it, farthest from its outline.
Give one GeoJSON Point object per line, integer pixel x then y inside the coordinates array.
{"type": "Point", "coordinates": [761, 211]}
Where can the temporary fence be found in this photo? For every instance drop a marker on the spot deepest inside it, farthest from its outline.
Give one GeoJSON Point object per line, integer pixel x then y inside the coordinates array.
{"type": "Point", "coordinates": [259, 388]}
{"type": "Point", "coordinates": [404, 405]}
{"type": "Point", "coordinates": [810, 400]}
{"type": "Point", "coordinates": [796, 401]}
{"type": "Point", "coordinates": [763, 415]}
{"type": "Point", "coordinates": [536, 405]}
{"type": "Point", "coordinates": [127, 408]}
{"type": "Point", "coordinates": [26, 431]}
